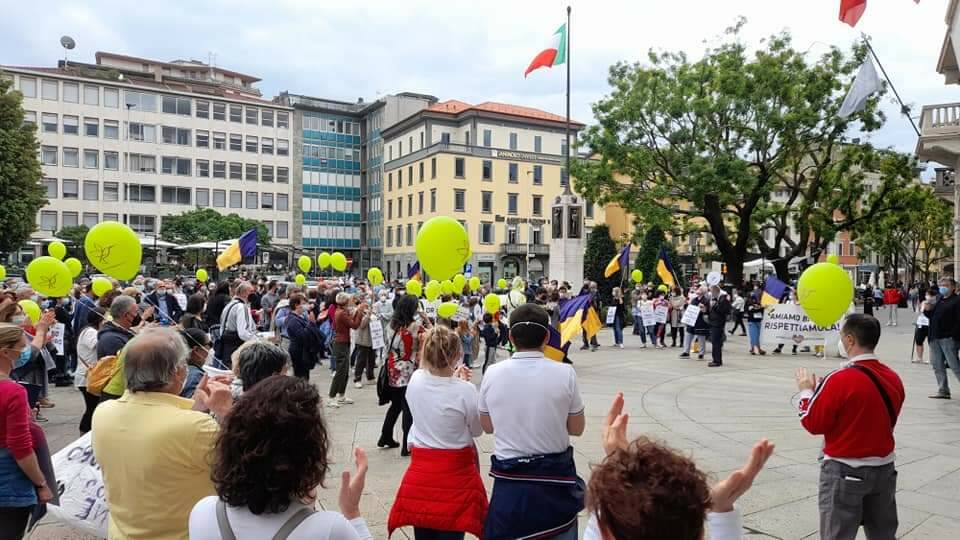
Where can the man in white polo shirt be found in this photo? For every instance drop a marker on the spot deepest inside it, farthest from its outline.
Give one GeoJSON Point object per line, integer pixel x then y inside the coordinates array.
{"type": "Point", "coordinates": [532, 405]}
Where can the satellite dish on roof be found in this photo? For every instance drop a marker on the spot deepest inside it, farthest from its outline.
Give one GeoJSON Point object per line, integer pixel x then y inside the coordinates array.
{"type": "Point", "coordinates": [67, 42]}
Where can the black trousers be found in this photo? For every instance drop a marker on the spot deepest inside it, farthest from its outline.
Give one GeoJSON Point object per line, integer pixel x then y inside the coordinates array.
{"type": "Point", "coordinates": [13, 521]}
{"type": "Point", "coordinates": [366, 361]}
{"type": "Point", "coordinates": [716, 344]}
{"type": "Point", "coordinates": [738, 321]}
{"type": "Point", "coordinates": [673, 334]}
{"type": "Point", "coordinates": [398, 405]}
{"type": "Point", "coordinates": [90, 403]}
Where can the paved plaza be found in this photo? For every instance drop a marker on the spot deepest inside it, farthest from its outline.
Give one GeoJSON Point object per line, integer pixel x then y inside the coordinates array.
{"type": "Point", "coordinates": [714, 414]}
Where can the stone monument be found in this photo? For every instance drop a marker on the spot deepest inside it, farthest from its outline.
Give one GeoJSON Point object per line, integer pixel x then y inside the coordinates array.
{"type": "Point", "coordinates": [566, 239]}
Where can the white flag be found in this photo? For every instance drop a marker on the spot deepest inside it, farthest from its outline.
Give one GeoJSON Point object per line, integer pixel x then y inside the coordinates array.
{"type": "Point", "coordinates": [865, 85]}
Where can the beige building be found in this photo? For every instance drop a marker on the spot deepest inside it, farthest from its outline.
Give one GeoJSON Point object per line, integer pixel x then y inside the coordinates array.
{"type": "Point", "coordinates": [494, 167]}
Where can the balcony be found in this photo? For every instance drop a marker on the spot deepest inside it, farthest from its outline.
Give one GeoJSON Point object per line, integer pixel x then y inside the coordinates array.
{"type": "Point", "coordinates": [940, 134]}
{"type": "Point", "coordinates": [523, 249]}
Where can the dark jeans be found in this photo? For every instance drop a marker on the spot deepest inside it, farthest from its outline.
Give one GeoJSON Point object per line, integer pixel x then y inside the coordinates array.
{"type": "Point", "coordinates": [341, 353]}
{"type": "Point", "coordinates": [851, 496]}
{"type": "Point", "coordinates": [419, 533]}
{"type": "Point", "coordinates": [398, 404]}
{"type": "Point", "coordinates": [90, 403]}
{"type": "Point", "coordinates": [365, 361]}
{"type": "Point", "coordinates": [13, 521]}
{"type": "Point", "coordinates": [593, 341]}
{"type": "Point", "coordinates": [738, 322]}
{"type": "Point", "coordinates": [673, 335]}
{"type": "Point", "coordinates": [489, 357]}
{"type": "Point", "coordinates": [716, 344]}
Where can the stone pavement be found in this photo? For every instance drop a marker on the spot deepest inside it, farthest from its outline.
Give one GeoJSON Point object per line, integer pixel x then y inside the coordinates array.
{"type": "Point", "coordinates": [713, 414]}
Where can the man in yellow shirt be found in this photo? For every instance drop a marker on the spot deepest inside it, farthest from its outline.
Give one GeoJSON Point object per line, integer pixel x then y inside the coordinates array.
{"type": "Point", "coordinates": [154, 446]}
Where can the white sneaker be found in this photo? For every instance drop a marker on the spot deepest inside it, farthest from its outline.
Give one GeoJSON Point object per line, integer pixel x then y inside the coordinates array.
{"type": "Point", "coordinates": [643, 345]}
{"type": "Point", "coordinates": [333, 403]}
{"type": "Point", "coordinates": [344, 401]}
{"type": "Point", "coordinates": [358, 385]}
{"type": "Point", "coordinates": [619, 345]}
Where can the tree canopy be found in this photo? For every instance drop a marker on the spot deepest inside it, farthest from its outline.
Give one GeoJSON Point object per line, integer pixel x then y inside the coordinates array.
{"type": "Point", "coordinates": [208, 225]}
{"type": "Point", "coordinates": [650, 246]}
{"type": "Point", "coordinates": [20, 172]}
{"type": "Point", "coordinates": [599, 250]}
{"type": "Point", "coordinates": [76, 237]}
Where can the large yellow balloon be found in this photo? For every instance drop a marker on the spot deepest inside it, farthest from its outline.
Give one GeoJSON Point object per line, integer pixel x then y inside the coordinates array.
{"type": "Point", "coordinates": [31, 310]}
{"type": "Point", "coordinates": [305, 263]}
{"type": "Point", "coordinates": [474, 284]}
{"type": "Point", "coordinates": [459, 282]}
{"type": "Point", "coordinates": [202, 276]}
{"type": "Point", "coordinates": [375, 276]}
{"type": "Point", "coordinates": [49, 277]}
{"type": "Point", "coordinates": [442, 247]}
{"type": "Point", "coordinates": [338, 261]}
{"type": "Point", "coordinates": [57, 250]}
{"type": "Point", "coordinates": [833, 259]}
{"type": "Point", "coordinates": [3, 272]}
{"type": "Point", "coordinates": [447, 309]}
{"type": "Point", "coordinates": [825, 292]}
{"type": "Point", "coordinates": [300, 279]}
{"type": "Point", "coordinates": [74, 265]}
{"type": "Point", "coordinates": [446, 286]}
{"type": "Point", "coordinates": [414, 287]}
{"type": "Point", "coordinates": [501, 283]}
{"type": "Point", "coordinates": [323, 260]}
{"type": "Point", "coordinates": [114, 249]}
{"type": "Point", "coordinates": [491, 303]}
{"type": "Point", "coordinates": [636, 275]}
{"type": "Point", "coordinates": [433, 290]}
{"type": "Point", "coordinates": [101, 286]}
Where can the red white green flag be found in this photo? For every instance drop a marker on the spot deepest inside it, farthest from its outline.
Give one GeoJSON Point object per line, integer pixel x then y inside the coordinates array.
{"type": "Point", "coordinates": [554, 54]}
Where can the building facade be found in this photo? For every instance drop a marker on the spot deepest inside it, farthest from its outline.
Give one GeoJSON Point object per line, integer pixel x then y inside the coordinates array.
{"type": "Point", "coordinates": [494, 167]}
{"type": "Point", "coordinates": [135, 140]}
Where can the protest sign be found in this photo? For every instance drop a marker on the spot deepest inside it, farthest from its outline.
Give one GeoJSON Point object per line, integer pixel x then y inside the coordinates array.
{"type": "Point", "coordinates": [661, 314]}
{"type": "Point", "coordinates": [376, 334]}
{"type": "Point", "coordinates": [57, 331]}
{"type": "Point", "coordinates": [690, 315]}
{"type": "Point", "coordinates": [787, 323]}
{"type": "Point", "coordinates": [181, 299]}
{"type": "Point", "coordinates": [83, 498]}
{"type": "Point", "coordinates": [611, 314]}
{"type": "Point", "coordinates": [648, 316]}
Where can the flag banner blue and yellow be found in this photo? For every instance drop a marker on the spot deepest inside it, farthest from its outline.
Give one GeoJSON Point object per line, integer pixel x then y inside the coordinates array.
{"type": "Point", "coordinates": [665, 269]}
{"type": "Point", "coordinates": [620, 261]}
{"type": "Point", "coordinates": [414, 271]}
{"type": "Point", "coordinates": [245, 246]}
{"type": "Point", "coordinates": [772, 291]}
{"type": "Point", "coordinates": [553, 349]}
{"type": "Point", "coordinates": [577, 315]}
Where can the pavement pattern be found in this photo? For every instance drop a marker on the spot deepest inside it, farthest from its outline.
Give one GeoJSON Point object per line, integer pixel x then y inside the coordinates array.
{"type": "Point", "coordinates": [713, 414]}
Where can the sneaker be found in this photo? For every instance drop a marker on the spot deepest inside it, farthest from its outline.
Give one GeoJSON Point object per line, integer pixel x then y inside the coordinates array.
{"type": "Point", "coordinates": [594, 348]}
{"type": "Point", "coordinates": [940, 396]}
{"type": "Point", "coordinates": [619, 345]}
{"type": "Point", "coordinates": [699, 357]}
{"type": "Point", "coordinates": [685, 355]}
{"type": "Point", "coordinates": [333, 404]}
{"type": "Point", "coordinates": [343, 400]}
{"type": "Point", "coordinates": [358, 384]}
{"type": "Point", "coordinates": [714, 364]}
{"type": "Point", "coordinates": [643, 345]}
{"type": "Point", "coordinates": [390, 443]}
{"type": "Point", "coordinates": [45, 403]}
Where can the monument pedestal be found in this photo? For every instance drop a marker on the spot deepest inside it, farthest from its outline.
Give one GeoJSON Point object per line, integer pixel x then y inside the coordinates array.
{"type": "Point", "coordinates": [567, 240]}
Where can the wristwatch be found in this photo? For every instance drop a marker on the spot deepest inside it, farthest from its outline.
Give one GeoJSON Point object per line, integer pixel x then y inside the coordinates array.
{"type": "Point", "coordinates": [40, 486]}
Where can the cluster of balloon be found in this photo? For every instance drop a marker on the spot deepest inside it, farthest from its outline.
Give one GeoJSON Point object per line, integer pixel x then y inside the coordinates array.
{"type": "Point", "coordinates": [447, 309]}
{"type": "Point", "coordinates": [433, 290]}
{"type": "Point", "coordinates": [114, 249]}
{"type": "Point", "coordinates": [31, 310]}
{"type": "Point", "coordinates": [202, 276]}
{"type": "Point", "coordinates": [414, 287]}
{"type": "Point", "coordinates": [459, 282]}
{"type": "Point", "coordinates": [442, 247]}
{"type": "Point", "coordinates": [825, 292]}
{"type": "Point", "coordinates": [375, 276]}
{"type": "Point", "coordinates": [49, 275]}
{"type": "Point", "coordinates": [338, 261]}
{"type": "Point", "coordinates": [101, 286]}
{"type": "Point", "coordinates": [300, 279]}
{"type": "Point", "coordinates": [305, 264]}
{"type": "Point", "coordinates": [491, 303]}
{"type": "Point", "coordinates": [323, 260]}
{"type": "Point", "coordinates": [636, 275]}
{"type": "Point", "coordinates": [446, 287]}
{"type": "Point", "coordinates": [474, 284]}
{"type": "Point", "coordinates": [501, 283]}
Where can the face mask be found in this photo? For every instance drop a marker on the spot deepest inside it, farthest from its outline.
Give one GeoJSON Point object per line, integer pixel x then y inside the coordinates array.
{"type": "Point", "coordinates": [136, 320]}
{"type": "Point", "coordinates": [842, 348]}
{"type": "Point", "coordinates": [210, 356]}
{"type": "Point", "coordinates": [944, 291]}
{"type": "Point", "coordinates": [18, 320]}
{"type": "Point", "coordinates": [161, 292]}
{"type": "Point", "coordinates": [35, 298]}
{"type": "Point", "coordinates": [23, 358]}
{"type": "Point", "coordinates": [931, 300]}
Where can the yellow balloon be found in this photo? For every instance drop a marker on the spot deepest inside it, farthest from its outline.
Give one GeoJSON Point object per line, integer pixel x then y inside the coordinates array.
{"type": "Point", "coordinates": [114, 249]}
{"type": "Point", "coordinates": [825, 292]}
{"type": "Point", "coordinates": [375, 276]}
{"type": "Point", "coordinates": [57, 250]}
{"type": "Point", "coordinates": [491, 303]}
{"type": "Point", "coordinates": [74, 265]}
{"type": "Point", "coordinates": [300, 279]}
{"type": "Point", "coordinates": [414, 287]}
{"type": "Point", "coordinates": [49, 277]}
{"type": "Point", "coordinates": [433, 290]}
{"type": "Point", "coordinates": [446, 287]}
{"type": "Point", "coordinates": [474, 284]}
{"type": "Point", "coordinates": [202, 276]}
{"type": "Point", "coordinates": [338, 261]}
{"type": "Point", "coordinates": [459, 282]}
{"type": "Point", "coordinates": [833, 259]}
{"type": "Point", "coordinates": [323, 260]}
{"type": "Point", "coordinates": [447, 309]}
{"type": "Point", "coordinates": [305, 263]}
{"type": "Point", "coordinates": [31, 310]}
{"type": "Point", "coordinates": [3, 272]}
{"type": "Point", "coordinates": [442, 247]}
{"type": "Point", "coordinates": [636, 276]}
{"type": "Point", "coordinates": [101, 286]}
{"type": "Point", "coordinates": [501, 283]}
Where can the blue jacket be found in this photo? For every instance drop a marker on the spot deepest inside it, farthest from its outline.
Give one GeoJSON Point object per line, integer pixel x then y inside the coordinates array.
{"type": "Point", "coordinates": [84, 305]}
{"type": "Point", "coordinates": [305, 340]}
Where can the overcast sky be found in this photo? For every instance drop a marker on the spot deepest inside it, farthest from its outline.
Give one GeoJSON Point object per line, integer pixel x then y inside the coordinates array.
{"type": "Point", "coordinates": [472, 51]}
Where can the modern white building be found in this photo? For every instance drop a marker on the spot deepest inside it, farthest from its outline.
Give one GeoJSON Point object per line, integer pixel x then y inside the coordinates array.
{"type": "Point", "coordinates": [136, 140]}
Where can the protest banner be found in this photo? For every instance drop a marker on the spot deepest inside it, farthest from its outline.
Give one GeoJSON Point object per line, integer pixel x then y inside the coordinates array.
{"type": "Point", "coordinates": [661, 314]}
{"type": "Point", "coordinates": [690, 315]}
{"type": "Point", "coordinates": [648, 316]}
{"type": "Point", "coordinates": [787, 323]}
{"type": "Point", "coordinates": [611, 314]}
{"type": "Point", "coordinates": [376, 334]}
{"type": "Point", "coordinates": [83, 498]}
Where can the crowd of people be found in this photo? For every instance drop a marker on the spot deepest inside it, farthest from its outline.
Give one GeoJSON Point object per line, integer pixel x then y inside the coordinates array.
{"type": "Point", "coordinates": [173, 372]}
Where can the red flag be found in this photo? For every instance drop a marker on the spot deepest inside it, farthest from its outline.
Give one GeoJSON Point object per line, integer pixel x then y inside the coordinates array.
{"type": "Point", "coordinates": [852, 10]}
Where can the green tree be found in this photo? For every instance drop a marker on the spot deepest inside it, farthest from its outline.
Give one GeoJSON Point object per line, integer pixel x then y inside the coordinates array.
{"type": "Point", "coordinates": [649, 252]}
{"type": "Point", "coordinates": [76, 236]}
{"type": "Point", "coordinates": [208, 225]}
{"type": "Point", "coordinates": [751, 140]}
{"type": "Point", "coordinates": [599, 251]}
{"type": "Point", "coordinates": [20, 188]}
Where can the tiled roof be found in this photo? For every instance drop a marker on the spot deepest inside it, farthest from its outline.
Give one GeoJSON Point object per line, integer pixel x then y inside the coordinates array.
{"type": "Point", "coordinates": [453, 106]}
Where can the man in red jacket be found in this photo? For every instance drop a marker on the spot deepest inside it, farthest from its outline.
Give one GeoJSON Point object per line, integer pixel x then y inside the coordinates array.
{"type": "Point", "coordinates": [855, 408]}
{"type": "Point", "coordinates": [891, 300]}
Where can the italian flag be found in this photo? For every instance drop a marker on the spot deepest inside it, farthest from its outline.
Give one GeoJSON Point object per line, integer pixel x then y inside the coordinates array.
{"type": "Point", "coordinates": [554, 54]}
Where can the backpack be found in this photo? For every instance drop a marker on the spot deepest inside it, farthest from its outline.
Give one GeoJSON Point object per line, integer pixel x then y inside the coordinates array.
{"type": "Point", "coordinates": [326, 330]}
{"type": "Point", "coordinates": [100, 374]}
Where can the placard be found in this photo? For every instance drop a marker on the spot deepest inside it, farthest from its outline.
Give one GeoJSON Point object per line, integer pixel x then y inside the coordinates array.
{"type": "Point", "coordinates": [787, 323]}
{"type": "Point", "coordinates": [611, 314]}
{"type": "Point", "coordinates": [690, 315]}
{"type": "Point", "coordinates": [182, 300]}
{"type": "Point", "coordinates": [83, 498]}
{"type": "Point", "coordinates": [922, 321]}
{"type": "Point", "coordinates": [57, 331]}
{"type": "Point", "coordinates": [661, 314]}
{"type": "Point", "coordinates": [376, 334]}
{"type": "Point", "coordinates": [648, 316]}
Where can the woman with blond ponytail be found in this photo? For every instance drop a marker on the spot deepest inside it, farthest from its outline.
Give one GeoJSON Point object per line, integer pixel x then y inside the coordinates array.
{"type": "Point", "coordinates": [444, 459]}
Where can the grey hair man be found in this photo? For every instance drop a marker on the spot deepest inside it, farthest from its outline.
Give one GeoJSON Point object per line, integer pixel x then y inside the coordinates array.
{"type": "Point", "coordinates": [236, 324]}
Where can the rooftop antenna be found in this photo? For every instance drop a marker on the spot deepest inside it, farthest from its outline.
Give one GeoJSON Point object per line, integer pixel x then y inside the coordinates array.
{"type": "Point", "coordinates": [68, 44]}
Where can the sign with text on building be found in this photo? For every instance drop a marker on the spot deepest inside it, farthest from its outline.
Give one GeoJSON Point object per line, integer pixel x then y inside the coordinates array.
{"type": "Point", "coordinates": [787, 323]}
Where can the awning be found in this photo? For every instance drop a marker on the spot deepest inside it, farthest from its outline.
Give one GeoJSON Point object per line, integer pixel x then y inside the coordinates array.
{"type": "Point", "coordinates": [156, 242]}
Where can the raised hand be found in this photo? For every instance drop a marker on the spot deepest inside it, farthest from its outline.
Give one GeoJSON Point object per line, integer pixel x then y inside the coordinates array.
{"type": "Point", "coordinates": [351, 488]}
{"type": "Point", "coordinates": [614, 434]}
{"type": "Point", "coordinates": [726, 492]}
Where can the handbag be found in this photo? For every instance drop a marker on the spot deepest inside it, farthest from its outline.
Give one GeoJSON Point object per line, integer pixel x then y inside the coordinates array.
{"type": "Point", "coordinates": [100, 374]}
{"type": "Point", "coordinates": [383, 377]}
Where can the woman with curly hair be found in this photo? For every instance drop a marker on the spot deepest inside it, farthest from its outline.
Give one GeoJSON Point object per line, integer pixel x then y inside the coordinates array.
{"type": "Point", "coordinates": [270, 457]}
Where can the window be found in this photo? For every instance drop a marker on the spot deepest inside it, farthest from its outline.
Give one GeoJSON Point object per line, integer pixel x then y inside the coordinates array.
{"type": "Point", "coordinates": [236, 171]}
{"type": "Point", "coordinates": [219, 111]}
{"type": "Point", "coordinates": [266, 173]}
{"type": "Point", "coordinates": [111, 98]}
{"type": "Point", "coordinates": [49, 89]}
{"type": "Point", "coordinates": [420, 203]}
{"type": "Point", "coordinates": [563, 147]}
{"type": "Point", "coordinates": [252, 114]}
{"type": "Point", "coordinates": [466, 137]}
{"type": "Point", "coordinates": [421, 139]}
{"type": "Point", "coordinates": [252, 202]}
{"type": "Point", "coordinates": [486, 233]}
{"type": "Point", "coordinates": [141, 101]}
{"type": "Point", "coordinates": [283, 230]}
{"type": "Point", "coordinates": [175, 195]}
{"type": "Point", "coordinates": [91, 95]}
{"type": "Point", "coordinates": [421, 171]}
{"type": "Point", "coordinates": [283, 147]}
{"type": "Point", "coordinates": [409, 234]}
{"type": "Point", "coordinates": [460, 200]}
{"type": "Point", "coordinates": [71, 157]}
{"type": "Point", "coordinates": [28, 87]}
{"type": "Point", "coordinates": [50, 185]}
{"type": "Point", "coordinates": [48, 155]}
{"type": "Point", "coordinates": [389, 236]}
{"type": "Point", "coordinates": [537, 175]}
{"type": "Point", "coordinates": [266, 145]}
{"type": "Point", "coordinates": [266, 118]}
{"type": "Point", "coordinates": [236, 199]}
{"type": "Point", "coordinates": [111, 191]}
{"type": "Point", "coordinates": [513, 173]}
{"type": "Point", "coordinates": [433, 200]}
{"type": "Point", "coordinates": [71, 92]}
{"type": "Point", "coordinates": [203, 109]}
{"type": "Point", "coordinates": [48, 221]}
{"type": "Point", "coordinates": [511, 234]}
{"type": "Point", "coordinates": [399, 149]}
{"type": "Point", "coordinates": [266, 201]}
{"type": "Point", "coordinates": [71, 189]}
{"type": "Point", "coordinates": [111, 217]}
{"type": "Point", "coordinates": [410, 140]}
{"type": "Point", "coordinates": [141, 163]}
{"type": "Point", "coordinates": [283, 175]}
{"type": "Point", "coordinates": [410, 175]}
{"type": "Point", "coordinates": [390, 182]}
{"type": "Point", "coordinates": [458, 167]}
{"type": "Point", "coordinates": [141, 132]}
{"type": "Point", "coordinates": [69, 219]}
{"type": "Point", "coordinates": [283, 201]}
{"type": "Point", "coordinates": [49, 122]}
{"type": "Point", "coordinates": [487, 169]}
{"type": "Point", "coordinates": [175, 165]}
{"type": "Point", "coordinates": [513, 141]}
{"type": "Point", "coordinates": [283, 120]}
{"type": "Point", "coordinates": [30, 118]}
{"type": "Point", "coordinates": [486, 202]}
{"type": "Point", "coordinates": [219, 169]}
{"type": "Point", "coordinates": [236, 141]}
{"type": "Point", "coordinates": [219, 140]}
{"type": "Point", "coordinates": [537, 143]}
{"type": "Point", "coordinates": [203, 168]}
{"type": "Point", "coordinates": [536, 236]}
{"type": "Point", "coordinates": [202, 197]}
{"type": "Point", "coordinates": [91, 159]}
{"type": "Point", "coordinates": [140, 193]}
{"type": "Point", "coordinates": [142, 224]}
{"type": "Point", "coordinates": [71, 125]}
{"type": "Point", "coordinates": [176, 105]}
{"type": "Point", "coordinates": [487, 136]}
{"type": "Point", "coordinates": [512, 203]}
{"type": "Point", "coordinates": [172, 135]}
{"type": "Point", "coordinates": [589, 209]}
{"type": "Point", "coordinates": [111, 129]}
{"type": "Point", "coordinates": [236, 113]}
{"type": "Point", "coordinates": [390, 209]}
{"type": "Point", "coordinates": [399, 207]}
{"type": "Point", "coordinates": [252, 171]}
{"type": "Point", "coordinates": [252, 144]}
{"type": "Point", "coordinates": [219, 198]}
{"type": "Point", "coordinates": [445, 138]}
{"type": "Point", "coordinates": [203, 138]}
{"type": "Point", "coordinates": [433, 167]}
{"type": "Point", "coordinates": [90, 219]}
{"type": "Point", "coordinates": [410, 205]}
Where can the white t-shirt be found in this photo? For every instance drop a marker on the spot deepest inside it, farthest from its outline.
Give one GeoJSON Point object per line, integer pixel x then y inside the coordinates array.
{"type": "Point", "coordinates": [529, 399]}
{"type": "Point", "coordinates": [87, 352]}
{"type": "Point", "coordinates": [444, 411]}
{"type": "Point", "coordinates": [246, 525]}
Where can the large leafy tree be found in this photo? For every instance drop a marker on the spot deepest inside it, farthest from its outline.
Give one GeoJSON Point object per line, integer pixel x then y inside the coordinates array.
{"type": "Point", "coordinates": [208, 225]}
{"type": "Point", "coordinates": [650, 246]}
{"type": "Point", "coordinates": [599, 251]}
{"type": "Point", "coordinates": [737, 143]}
{"type": "Point", "coordinates": [20, 189]}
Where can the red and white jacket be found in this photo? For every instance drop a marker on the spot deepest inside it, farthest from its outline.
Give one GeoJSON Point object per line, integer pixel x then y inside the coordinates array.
{"type": "Point", "coordinates": [848, 410]}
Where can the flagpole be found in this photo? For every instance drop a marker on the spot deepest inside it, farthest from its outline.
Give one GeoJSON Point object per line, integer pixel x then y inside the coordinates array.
{"type": "Point", "coordinates": [904, 110]}
{"type": "Point", "coordinates": [566, 188]}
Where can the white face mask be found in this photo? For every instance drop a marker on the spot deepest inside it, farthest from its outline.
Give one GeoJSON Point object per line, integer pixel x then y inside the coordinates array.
{"type": "Point", "coordinates": [842, 348]}
{"type": "Point", "coordinates": [210, 356]}
{"type": "Point", "coordinates": [18, 320]}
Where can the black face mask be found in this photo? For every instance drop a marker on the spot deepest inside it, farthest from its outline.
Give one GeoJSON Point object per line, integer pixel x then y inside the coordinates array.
{"type": "Point", "coordinates": [136, 320]}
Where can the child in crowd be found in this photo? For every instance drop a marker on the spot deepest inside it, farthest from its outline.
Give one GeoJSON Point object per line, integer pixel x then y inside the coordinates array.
{"type": "Point", "coordinates": [491, 338]}
{"type": "Point", "coordinates": [466, 342]}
